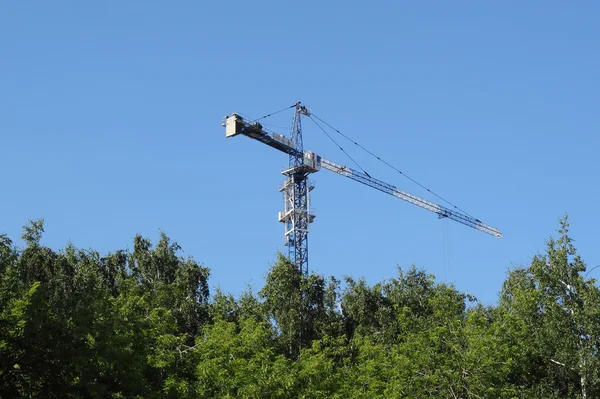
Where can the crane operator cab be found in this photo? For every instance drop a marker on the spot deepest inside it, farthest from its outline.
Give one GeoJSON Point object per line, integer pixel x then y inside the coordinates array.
{"type": "Point", "coordinates": [312, 161]}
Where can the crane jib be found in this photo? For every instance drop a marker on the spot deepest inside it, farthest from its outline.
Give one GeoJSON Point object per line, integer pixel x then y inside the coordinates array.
{"type": "Point", "coordinates": [441, 211]}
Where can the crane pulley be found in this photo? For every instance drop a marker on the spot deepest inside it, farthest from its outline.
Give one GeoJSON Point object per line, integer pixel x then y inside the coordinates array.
{"type": "Point", "coordinates": [296, 215]}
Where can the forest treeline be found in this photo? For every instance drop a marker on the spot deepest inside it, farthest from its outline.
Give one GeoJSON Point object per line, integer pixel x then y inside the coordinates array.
{"type": "Point", "coordinates": [142, 323]}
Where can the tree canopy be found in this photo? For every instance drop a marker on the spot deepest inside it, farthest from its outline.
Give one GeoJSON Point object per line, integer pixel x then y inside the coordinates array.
{"type": "Point", "coordinates": [142, 323]}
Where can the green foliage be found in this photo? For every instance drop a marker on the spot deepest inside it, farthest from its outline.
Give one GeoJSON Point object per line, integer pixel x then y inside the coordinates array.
{"type": "Point", "coordinates": [302, 308]}
{"type": "Point", "coordinates": [239, 361]}
{"type": "Point", "coordinates": [560, 309]}
{"type": "Point", "coordinates": [75, 324]}
{"type": "Point", "coordinates": [32, 232]}
{"type": "Point", "coordinates": [142, 324]}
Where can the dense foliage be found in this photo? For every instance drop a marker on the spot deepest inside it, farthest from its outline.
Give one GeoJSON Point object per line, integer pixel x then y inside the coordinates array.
{"type": "Point", "coordinates": [142, 324]}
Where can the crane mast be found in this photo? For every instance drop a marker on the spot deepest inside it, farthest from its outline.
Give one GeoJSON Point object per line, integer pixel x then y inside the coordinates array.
{"type": "Point", "coordinates": [297, 215]}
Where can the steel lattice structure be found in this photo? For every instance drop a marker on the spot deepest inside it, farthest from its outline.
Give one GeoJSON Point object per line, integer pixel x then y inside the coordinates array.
{"type": "Point", "coordinates": [297, 215]}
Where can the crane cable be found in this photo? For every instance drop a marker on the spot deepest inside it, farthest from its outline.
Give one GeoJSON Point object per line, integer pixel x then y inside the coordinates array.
{"type": "Point", "coordinates": [388, 164]}
{"type": "Point", "coordinates": [339, 146]}
{"type": "Point", "coordinates": [274, 113]}
{"type": "Point", "coordinates": [445, 240]}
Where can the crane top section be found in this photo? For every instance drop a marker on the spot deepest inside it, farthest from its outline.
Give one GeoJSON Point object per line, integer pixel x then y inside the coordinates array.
{"type": "Point", "coordinates": [236, 125]}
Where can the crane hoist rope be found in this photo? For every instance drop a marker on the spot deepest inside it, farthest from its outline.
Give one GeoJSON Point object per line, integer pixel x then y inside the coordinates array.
{"type": "Point", "coordinates": [297, 215]}
{"type": "Point", "coordinates": [388, 164]}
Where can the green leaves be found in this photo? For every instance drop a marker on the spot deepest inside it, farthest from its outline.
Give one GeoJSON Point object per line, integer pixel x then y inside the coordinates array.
{"type": "Point", "coordinates": [75, 324]}
{"type": "Point", "coordinates": [559, 309]}
{"type": "Point", "coordinates": [32, 232]}
{"type": "Point", "coordinates": [240, 362]}
{"type": "Point", "coordinates": [142, 324]}
{"type": "Point", "coordinates": [302, 308]}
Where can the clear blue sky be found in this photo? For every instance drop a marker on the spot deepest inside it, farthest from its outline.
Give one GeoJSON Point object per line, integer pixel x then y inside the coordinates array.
{"type": "Point", "coordinates": [110, 126]}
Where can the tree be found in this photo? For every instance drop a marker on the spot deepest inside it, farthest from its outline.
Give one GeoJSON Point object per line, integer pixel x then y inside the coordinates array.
{"type": "Point", "coordinates": [75, 324]}
{"type": "Point", "coordinates": [240, 362]}
{"type": "Point", "coordinates": [302, 308]}
{"type": "Point", "coordinates": [141, 324]}
{"type": "Point", "coordinates": [560, 309]}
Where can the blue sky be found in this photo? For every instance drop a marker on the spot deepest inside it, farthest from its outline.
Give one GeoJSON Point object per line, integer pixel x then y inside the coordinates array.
{"type": "Point", "coordinates": [110, 126]}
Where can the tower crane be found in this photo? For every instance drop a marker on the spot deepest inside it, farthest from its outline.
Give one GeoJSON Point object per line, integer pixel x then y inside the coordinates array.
{"type": "Point", "coordinates": [297, 215]}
